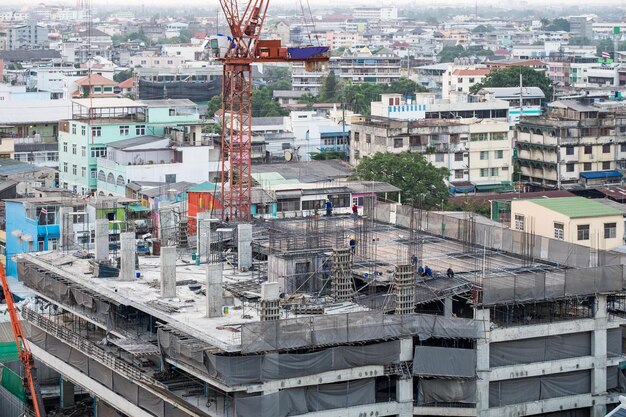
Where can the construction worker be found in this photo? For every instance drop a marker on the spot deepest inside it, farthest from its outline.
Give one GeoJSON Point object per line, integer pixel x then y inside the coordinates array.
{"type": "Point", "coordinates": [329, 208]}
{"type": "Point", "coordinates": [450, 273]}
{"type": "Point", "coordinates": [352, 244]}
{"type": "Point", "coordinates": [355, 210]}
{"type": "Point", "coordinates": [428, 271]}
{"type": "Point", "coordinates": [420, 271]}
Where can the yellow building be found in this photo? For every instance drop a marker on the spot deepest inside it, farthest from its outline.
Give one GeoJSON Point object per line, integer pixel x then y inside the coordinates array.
{"type": "Point", "coordinates": [576, 220]}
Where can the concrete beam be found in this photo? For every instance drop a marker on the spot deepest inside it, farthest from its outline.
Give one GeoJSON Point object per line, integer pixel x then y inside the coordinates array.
{"type": "Point", "coordinates": [542, 330]}
{"type": "Point", "coordinates": [168, 271]}
{"type": "Point", "coordinates": [444, 411]}
{"type": "Point", "coordinates": [542, 368]}
{"type": "Point", "coordinates": [380, 409]}
{"type": "Point", "coordinates": [544, 406]}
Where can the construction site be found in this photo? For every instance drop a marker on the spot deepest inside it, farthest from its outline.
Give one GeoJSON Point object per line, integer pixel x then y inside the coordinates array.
{"type": "Point", "coordinates": [398, 312]}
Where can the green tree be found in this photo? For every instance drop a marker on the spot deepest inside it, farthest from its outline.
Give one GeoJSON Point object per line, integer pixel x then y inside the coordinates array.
{"type": "Point", "coordinates": [264, 105]}
{"type": "Point", "coordinates": [308, 99]}
{"type": "Point", "coordinates": [406, 87]}
{"type": "Point", "coordinates": [418, 179]}
{"type": "Point", "coordinates": [450, 53]}
{"type": "Point", "coordinates": [123, 75]}
{"type": "Point", "coordinates": [556, 25]}
{"type": "Point", "coordinates": [274, 74]}
{"type": "Point", "coordinates": [329, 88]}
{"type": "Point", "coordinates": [327, 154]}
{"type": "Point", "coordinates": [214, 105]}
{"type": "Point", "coordinates": [580, 40]}
{"type": "Point", "coordinates": [510, 77]}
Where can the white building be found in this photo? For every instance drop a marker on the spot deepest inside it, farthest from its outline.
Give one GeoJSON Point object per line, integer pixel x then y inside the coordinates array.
{"type": "Point", "coordinates": [460, 79]}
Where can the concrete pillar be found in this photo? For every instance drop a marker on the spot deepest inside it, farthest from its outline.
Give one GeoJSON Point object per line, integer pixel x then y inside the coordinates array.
{"type": "Point", "coordinates": [404, 386]}
{"type": "Point", "coordinates": [447, 307]}
{"type": "Point", "coordinates": [67, 393]}
{"type": "Point", "coordinates": [270, 301]}
{"type": "Point", "coordinates": [102, 239]}
{"type": "Point", "coordinates": [482, 361]}
{"type": "Point", "coordinates": [67, 234]}
{"type": "Point", "coordinates": [204, 234]}
{"type": "Point", "coordinates": [168, 272]}
{"type": "Point", "coordinates": [244, 246]}
{"type": "Point", "coordinates": [127, 262]}
{"type": "Point", "coordinates": [214, 291]}
{"type": "Point", "coordinates": [598, 350]}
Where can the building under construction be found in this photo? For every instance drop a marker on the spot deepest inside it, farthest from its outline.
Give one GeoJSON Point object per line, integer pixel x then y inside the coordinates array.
{"type": "Point", "coordinates": [399, 312]}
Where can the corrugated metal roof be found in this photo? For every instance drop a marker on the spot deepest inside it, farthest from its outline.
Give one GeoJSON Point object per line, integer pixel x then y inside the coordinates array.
{"type": "Point", "coordinates": [577, 207]}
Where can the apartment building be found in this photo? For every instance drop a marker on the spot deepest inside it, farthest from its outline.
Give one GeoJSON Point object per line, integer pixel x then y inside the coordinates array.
{"type": "Point", "coordinates": [475, 150]}
{"type": "Point", "coordinates": [460, 79]}
{"type": "Point", "coordinates": [27, 36]}
{"type": "Point", "coordinates": [578, 142]}
{"type": "Point", "coordinates": [359, 67]}
{"type": "Point", "coordinates": [99, 122]}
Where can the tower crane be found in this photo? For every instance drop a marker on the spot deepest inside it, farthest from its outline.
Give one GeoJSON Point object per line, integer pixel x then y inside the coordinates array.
{"type": "Point", "coordinates": [245, 20]}
{"type": "Point", "coordinates": [30, 380]}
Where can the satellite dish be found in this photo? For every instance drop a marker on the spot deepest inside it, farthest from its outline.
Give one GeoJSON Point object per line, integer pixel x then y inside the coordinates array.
{"type": "Point", "coordinates": [288, 155]}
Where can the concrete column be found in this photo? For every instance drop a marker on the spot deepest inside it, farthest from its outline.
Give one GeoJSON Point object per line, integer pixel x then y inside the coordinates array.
{"type": "Point", "coordinates": [168, 272]}
{"type": "Point", "coordinates": [67, 393]}
{"type": "Point", "coordinates": [204, 234]}
{"type": "Point", "coordinates": [102, 239]}
{"type": "Point", "coordinates": [404, 386]}
{"type": "Point", "coordinates": [67, 234]}
{"type": "Point", "coordinates": [482, 361]}
{"type": "Point", "coordinates": [598, 350]}
{"type": "Point", "coordinates": [447, 307]}
{"type": "Point", "coordinates": [127, 262]}
{"type": "Point", "coordinates": [214, 291]}
{"type": "Point", "coordinates": [244, 246]}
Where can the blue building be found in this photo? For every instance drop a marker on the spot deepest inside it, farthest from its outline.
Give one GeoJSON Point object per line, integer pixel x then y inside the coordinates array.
{"type": "Point", "coordinates": [34, 225]}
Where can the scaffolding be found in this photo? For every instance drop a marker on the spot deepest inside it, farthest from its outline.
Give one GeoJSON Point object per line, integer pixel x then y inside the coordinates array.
{"type": "Point", "coordinates": [342, 274]}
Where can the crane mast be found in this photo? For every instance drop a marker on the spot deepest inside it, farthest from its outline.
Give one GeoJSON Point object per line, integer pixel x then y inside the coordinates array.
{"type": "Point", "coordinates": [245, 21]}
{"type": "Point", "coordinates": [23, 350]}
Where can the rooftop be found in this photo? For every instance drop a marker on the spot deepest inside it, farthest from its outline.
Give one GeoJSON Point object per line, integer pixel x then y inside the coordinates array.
{"type": "Point", "coordinates": [95, 79]}
{"type": "Point", "coordinates": [140, 140]}
{"type": "Point", "coordinates": [577, 207]}
{"type": "Point", "coordinates": [471, 72]}
{"type": "Point", "coordinates": [50, 111]}
{"type": "Point", "coordinates": [309, 171]}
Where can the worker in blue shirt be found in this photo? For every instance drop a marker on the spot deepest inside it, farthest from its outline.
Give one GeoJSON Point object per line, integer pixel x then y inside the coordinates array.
{"type": "Point", "coordinates": [428, 271]}
{"type": "Point", "coordinates": [329, 208]}
{"type": "Point", "coordinates": [420, 271]}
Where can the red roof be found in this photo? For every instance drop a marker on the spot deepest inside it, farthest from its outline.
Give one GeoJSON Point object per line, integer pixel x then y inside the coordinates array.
{"type": "Point", "coordinates": [95, 79]}
{"type": "Point", "coordinates": [501, 52]}
{"type": "Point", "coordinates": [471, 72]}
{"type": "Point", "coordinates": [129, 83]}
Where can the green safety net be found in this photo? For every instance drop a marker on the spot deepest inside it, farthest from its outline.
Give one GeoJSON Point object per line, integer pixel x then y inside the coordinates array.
{"type": "Point", "coordinates": [8, 352]}
{"type": "Point", "coordinates": [13, 383]}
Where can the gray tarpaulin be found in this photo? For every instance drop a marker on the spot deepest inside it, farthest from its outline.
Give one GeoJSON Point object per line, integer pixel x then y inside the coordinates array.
{"type": "Point", "coordinates": [172, 411]}
{"type": "Point", "coordinates": [351, 327]}
{"type": "Point", "coordinates": [125, 388]}
{"type": "Point", "coordinates": [612, 381]}
{"type": "Point", "coordinates": [149, 401]}
{"type": "Point", "coordinates": [446, 391]}
{"type": "Point", "coordinates": [100, 373]}
{"type": "Point", "coordinates": [105, 410]}
{"type": "Point", "coordinates": [298, 401]}
{"type": "Point", "coordinates": [82, 299]}
{"type": "Point", "coordinates": [176, 349]}
{"type": "Point", "coordinates": [440, 361]}
{"type": "Point", "coordinates": [514, 391]}
{"type": "Point", "coordinates": [78, 360]}
{"type": "Point", "coordinates": [614, 342]}
{"type": "Point", "coordinates": [236, 370]}
{"type": "Point", "coordinates": [540, 349]}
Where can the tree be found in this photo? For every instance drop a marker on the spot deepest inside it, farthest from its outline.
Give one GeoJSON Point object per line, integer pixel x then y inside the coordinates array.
{"type": "Point", "coordinates": [406, 87]}
{"type": "Point", "coordinates": [328, 88]}
{"type": "Point", "coordinates": [450, 53]}
{"type": "Point", "coordinates": [327, 154]}
{"type": "Point", "coordinates": [274, 74]}
{"type": "Point", "coordinates": [510, 77]}
{"type": "Point", "coordinates": [557, 25]}
{"type": "Point", "coordinates": [264, 105]}
{"type": "Point", "coordinates": [419, 180]}
{"type": "Point", "coordinates": [123, 75]}
{"type": "Point", "coordinates": [213, 106]}
{"type": "Point", "coordinates": [483, 29]}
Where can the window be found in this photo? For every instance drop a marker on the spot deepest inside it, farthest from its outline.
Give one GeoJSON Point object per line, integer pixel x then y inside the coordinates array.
{"type": "Point", "coordinates": [499, 154]}
{"type": "Point", "coordinates": [484, 155]}
{"type": "Point", "coordinates": [495, 172]}
{"type": "Point", "coordinates": [83, 151]}
{"type": "Point", "coordinates": [124, 130]}
{"type": "Point", "coordinates": [291, 204]}
{"type": "Point", "coordinates": [606, 148]}
{"type": "Point", "coordinates": [458, 157]}
{"type": "Point", "coordinates": [587, 166]}
{"type": "Point", "coordinates": [73, 129]}
{"type": "Point", "coordinates": [313, 204]}
{"type": "Point", "coordinates": [569, 167]}
{"type": "Point", "coordinates": [606, 165]}
{"type": "Point", "coordinates": [92, 173]}
{"type": "Point", "coordinates": [98, 152]}
{"type": "Point", "coordinates": [96, 131]}
{"type": "Point", "coordinates": [65, 147]}
{"type": "Point", "coordinates": [368, 138]}
{"type": "Point", "coordinates": [74, 147]}
{"type": "Point", "coordinates": [439, 157]}
{"type": "Point", "coordinates": [622, 147]}
{"type": "Point", "coordinates": [111, 178]}
{"type": "Point", "coordinates": [83, 171]}
{"type": "Point", "coordinates": [172, 112]}
{"type": "Point", "coordinates": [478, 137]}
{"type": "Point", "coordinates": [569, 150]}
{"type": "Point", "coordinates": [397, 142]}
{"type": "Point", "coordinates": [101, 176]}
{"type": "Point", "coordinates": [559, 231]}
{"type": "Point", "coordinates": [120, 180]}
{"type": "Point", "coordinates": [583, 232]}
{"type": "Point", "coordinates": [519, 222]}
{"type": "Point", "coordinates": [53, 244]}
{"type": "Point", "coordinates": [484, 172]}
{"type": "Point", "coordinates": [356, 136]}
{"type": "Point", "coordinates": [499, 136]}
{"type": "Point", "coordinates": [458, 174]}
{"type": "Point", "coordinates": [610, 230]}
{"type": "Point", "coordinates": [140, 130]}
{"type": "Point", "coordinates": [74, 169]}
{"type": "Point", "coordinates": [83, 130]}
{"type": "Point", "coordinates": [64, 166]}
{"type": "Point", "coordinates": [588, 150]}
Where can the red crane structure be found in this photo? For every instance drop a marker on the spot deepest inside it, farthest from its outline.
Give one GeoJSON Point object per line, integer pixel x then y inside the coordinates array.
{"type": "Point", "coordinates": [26, 357]}
{"type": "Point", "coordinates": [245, 20]}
